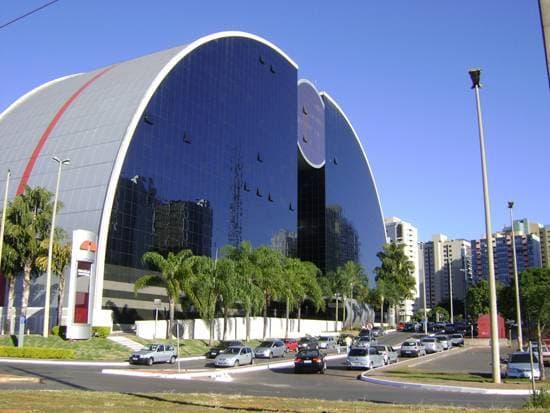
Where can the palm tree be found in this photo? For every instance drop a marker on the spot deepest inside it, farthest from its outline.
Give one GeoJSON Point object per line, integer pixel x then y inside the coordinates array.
{"type": "Point", "coordinates": [173, 270]}
{"type": "Point", "coordinates": [249, 294]}
{"type": "Point", "coordinates": [229, 286]}
{"type": "Point", "coordinates": [268, 277]}
{"type": "Point", "coordinates": [10, 267]}
{"type": "Point", "coordinates": [28, 221]}
{"type": "Point", "coordinates": [395, 271]}
{"type": "Point", "coordinates": [61, 256]}
{"type": "Point", "coordinates": [309, 278]}
{"type": "Point", "coordinates": [203, 287]}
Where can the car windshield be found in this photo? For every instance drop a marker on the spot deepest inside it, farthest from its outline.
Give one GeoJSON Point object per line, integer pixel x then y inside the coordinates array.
{"type": "Point", "coordinates": [522, 358]}
{"type": "Point", "coordinates": [305, 340]}
{"type": "Point", "coordinates": [151, 347]}
{"type": "Point", "coordinates": [323, 338]}
{"type": "Point", "coordinates": [457, 336]}
{"type": "Point", "coordinates": [409, 343]}
{"type": "Point", "coordinates": [266, 344]}
{"type": "Point", "coordinates": [357, 352]}
{"type": "Point", "coordinates": [428, 340]}
{"type": "Point", "coordinates": [233, 350]}
{"type": "Point", "coordinates": [444, 338]}
{"type": "Point", "coordinates": [308, 353]}
{"type": "Point", "coordinates": [380, 348]}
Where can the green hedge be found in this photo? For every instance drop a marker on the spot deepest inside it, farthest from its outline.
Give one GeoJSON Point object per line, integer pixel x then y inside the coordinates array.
{"type": "Point", "coordinates": [37, 352]}
{"type": "Point", "coordinates": [101, 332]}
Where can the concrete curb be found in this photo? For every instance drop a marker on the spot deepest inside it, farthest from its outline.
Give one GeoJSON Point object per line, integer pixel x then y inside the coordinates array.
{"type": "Point", "coordinates": [208, 373]}
{"type": "Point", "coordinates": [444, 388]}
{"type": "Point", "coordinates": [18, 379]}
{"type": "Point", "coordinates": [65, 362]}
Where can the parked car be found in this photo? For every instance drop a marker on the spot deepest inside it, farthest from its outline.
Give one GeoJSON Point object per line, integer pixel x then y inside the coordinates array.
{"type": "Point", "coordinates": [457, 339]}
{"type": "Point", "coordinates": [431, 344]}
{"type": "Point", "coordinates": [222, 347]}
{"type": "Point", "coordinates": [291, 344]}
{"type": "Point", "coordinates": [387, 352]}
{"type": "Point", "coordinates": [270, 349]}
{"type": "Point", "coordinates": [154, 353]}
{"type": "Point", "coordinates": [364, 332]}
{"type": "Point", "coordinates": [412, 348]}
{"type": "Point", "coordinates": [365, 358]}
{"type": "Point", "coordinates": [545, 353]}
{"type": "Point", "coordinates": [518, 365]}
{"type": "Point", "coordinates": [362, 342]}
{"type": "Point", "coordinates": [342, 339]}
{"type": "Point", "coordinates": [377, 332]}
{"type": "Point", "coordinates": [310, 360]}
{"type": "Point", "coordinates": [444, 340]}
{"type": "Point", "coordinates": [234, 357]}
{"type": "Point", "coordinates": [327, 342]}
{"type": "Point", "coordinates": [308, 343]}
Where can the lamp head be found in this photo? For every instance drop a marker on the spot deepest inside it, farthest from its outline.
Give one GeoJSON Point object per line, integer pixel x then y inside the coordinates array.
{"type": "Point", "coordinates": [510, 204]}
{"type": "Point", "coordinates": [475, 75]}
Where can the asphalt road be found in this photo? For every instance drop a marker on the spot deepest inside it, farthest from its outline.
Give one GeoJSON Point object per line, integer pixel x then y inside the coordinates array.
{"type": "Point", "coordinates": [337, 384]}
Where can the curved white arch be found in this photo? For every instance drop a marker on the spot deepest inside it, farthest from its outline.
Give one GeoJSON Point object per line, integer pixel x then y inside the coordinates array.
{"type": "Point", "coordinates": [331, 100]}
{"type": "Point", "coordinates": [313, 165]}
{"type": "Point", "coordinates": [37, 89]}
{"type": "Point", "coordinates": [126, 140]}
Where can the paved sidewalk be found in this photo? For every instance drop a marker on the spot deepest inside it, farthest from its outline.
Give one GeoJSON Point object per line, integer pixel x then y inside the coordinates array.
{"type": "Point", "coordinates": [126, 342]}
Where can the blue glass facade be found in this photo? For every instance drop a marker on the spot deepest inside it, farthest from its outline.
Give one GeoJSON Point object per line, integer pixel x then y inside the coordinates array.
{"type": "Point", "coordinates": [354, 223]}
{"type": "Point", "coordinates": [213, 161]}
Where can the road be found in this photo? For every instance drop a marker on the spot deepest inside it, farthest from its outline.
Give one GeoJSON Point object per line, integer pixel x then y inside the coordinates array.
{"type": "Point", "coordinates": [337, 384]}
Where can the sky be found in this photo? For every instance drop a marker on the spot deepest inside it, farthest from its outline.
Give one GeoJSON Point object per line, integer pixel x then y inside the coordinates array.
{"type": "Point", "coordinates": [399, 69]}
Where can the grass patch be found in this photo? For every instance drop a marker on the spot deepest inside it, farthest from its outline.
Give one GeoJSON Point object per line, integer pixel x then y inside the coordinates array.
{"type": "Point", "coordinates": [70, 401]}
{"type": "Point", "coordinates": [92, 349]}
{"type": "Point", "coordinates": [425, 375]}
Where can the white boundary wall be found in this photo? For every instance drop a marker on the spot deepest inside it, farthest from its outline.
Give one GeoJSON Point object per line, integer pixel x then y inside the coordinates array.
{"type": "Point", "coordinates": [236, 328]}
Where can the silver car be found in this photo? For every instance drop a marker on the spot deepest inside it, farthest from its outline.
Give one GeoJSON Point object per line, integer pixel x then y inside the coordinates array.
{"type": "Point", "coordinates": [362, 342]}
{"type": "Point", "coordinates": [412, 348]}
{"type": "Point", "coordinates": [154, 353]}
{"type": "Point", "coordinates": [364, 358]}
{"type": "Point", "coordinates": [327, 342]}
{"type": "Point", "coordinates": [234, 357]}
{"type": "Point", "coordinates": [519, 365]}
{"type": "Point", "coordinates": [389, 354]}
{"type": "Point", "coordinates": [457, 339]}
{"type": "Point", "coordinates": [445, 341]}
{"type": "Point", "coordinates": [270, 349]}
{"type": "Point", "coordinates": [431, 344]}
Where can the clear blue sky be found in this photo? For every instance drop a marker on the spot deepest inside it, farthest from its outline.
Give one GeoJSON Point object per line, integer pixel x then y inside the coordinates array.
{"type": "Point", "coordinates": [398, 68]}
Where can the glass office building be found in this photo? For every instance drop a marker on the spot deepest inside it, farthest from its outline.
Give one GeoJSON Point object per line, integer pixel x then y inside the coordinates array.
{"type": "Point", "coordinates": [196, 147]}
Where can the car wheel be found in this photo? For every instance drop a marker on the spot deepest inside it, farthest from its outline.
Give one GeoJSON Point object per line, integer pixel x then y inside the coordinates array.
{"type": "Point", "coordinates": [150, 361]}
{"type": "Point", "coordinates": [236, 364]}
{"type": "Point", "coordinates": [173, 360]}
{"type": "Point", "coordinates": [270, 356]}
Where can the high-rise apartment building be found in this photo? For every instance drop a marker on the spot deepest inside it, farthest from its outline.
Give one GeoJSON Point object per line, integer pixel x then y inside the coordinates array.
{"type": "Point", "coordinates": [402, 232]}
{"type": "Point", "coordinates": [443, 259]}
{"type": "Point", "coordinates": [528, 255]}
{"type": "Point", "coordinates": [545, 246]}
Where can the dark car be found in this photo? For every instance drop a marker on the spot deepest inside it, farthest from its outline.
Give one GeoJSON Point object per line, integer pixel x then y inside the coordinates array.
{"type": "Point", "coordinates": [308, 343]}
{"type": "Point", "coordinates": [220, 348]}
{"type": "Point", "coordinates": [310, 360]}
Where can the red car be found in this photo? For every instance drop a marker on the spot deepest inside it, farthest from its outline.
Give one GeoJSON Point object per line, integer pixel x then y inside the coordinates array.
{"type": "Point", "coordinates": [291, 344]}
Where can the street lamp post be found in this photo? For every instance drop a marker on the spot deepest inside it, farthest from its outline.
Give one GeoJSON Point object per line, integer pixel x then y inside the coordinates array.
{"type": "Point", "coordinates": [450, 275]}
{"type": "Point", "coordinates": [516, 283]}
{"type": "Point", "coordinates": [475, 75]}
{"type": "Point", "coordinates": [4, 208]}
{"type": "Point", "coordinates": [45, 329]}
{"type": "Point", "coordinates": [425, 321]}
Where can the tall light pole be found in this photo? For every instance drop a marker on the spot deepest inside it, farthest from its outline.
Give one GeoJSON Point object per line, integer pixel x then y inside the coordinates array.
{"type": "Point", "coordinates": [450, 275]}
{"type": "Point", "coordinates": [45, 329]}
{"type": "Point", "coordinates": [4, 208]}
{"type": "Point", "coordinates": [425, 321]}
{"type": "Point", "coordinates": [475, 76]}
{"type": "Point", "coordinates": [516, 283]}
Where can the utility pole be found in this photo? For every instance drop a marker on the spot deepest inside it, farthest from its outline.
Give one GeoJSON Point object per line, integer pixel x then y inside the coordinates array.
{"type": "Point", "coordinates": [516, 283]}
{"type": "Point", "coordinates": [450, 275]}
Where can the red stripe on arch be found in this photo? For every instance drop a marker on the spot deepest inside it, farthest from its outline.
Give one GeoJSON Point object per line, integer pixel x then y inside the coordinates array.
{"type": "Point", "coordinates": [38, 148]}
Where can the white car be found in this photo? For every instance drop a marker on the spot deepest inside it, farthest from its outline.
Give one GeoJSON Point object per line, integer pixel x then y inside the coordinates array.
{"type": "Point", "coordinates": [519, 365]}
{"type": "Point", "coordinates": [364, 358]}
{"type": "Point", "coordinates": [327, 342]}
{"type": "Point", "coordinates": [154, 353]}
{"type": "Point", "coordinates": [389, 354]}
{"type": "Point", "coordinates": [234, 357]}
{"type": "Point", "coordinates": [431, 344]}
{"type": "Point", "coordinates": [411, 348]}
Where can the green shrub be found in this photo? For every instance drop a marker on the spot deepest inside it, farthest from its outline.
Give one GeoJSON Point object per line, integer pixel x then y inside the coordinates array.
{"type": "Point", "coordinates": [37, 352]}
{"type": "Point", "coordinates": [539, 399]}
{"type": "Point", "coordinates": [101, 332]}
